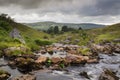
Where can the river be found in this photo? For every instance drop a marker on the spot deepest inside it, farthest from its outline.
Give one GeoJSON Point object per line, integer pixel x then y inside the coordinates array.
{"type": "Point", "coordinates": [72, 73]}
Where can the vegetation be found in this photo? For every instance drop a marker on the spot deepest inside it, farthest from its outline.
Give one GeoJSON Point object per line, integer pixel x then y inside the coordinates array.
{"type": "Point", "coordinates": [108, 33]}
{"type": "Point", "coordinates": [55, 30]}
{"type": "Point", "coordinates": [7, 24]}
{"type": "Point", "coordinates": [34, 38]}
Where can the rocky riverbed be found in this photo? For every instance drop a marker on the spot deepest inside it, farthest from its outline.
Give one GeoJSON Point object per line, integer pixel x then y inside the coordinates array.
{"type": "Point", "coordinates": [64, 62]}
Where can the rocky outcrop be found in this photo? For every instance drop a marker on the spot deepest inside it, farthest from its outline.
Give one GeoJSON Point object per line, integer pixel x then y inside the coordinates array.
{"type": "Point", "coordinates": [15, 33]}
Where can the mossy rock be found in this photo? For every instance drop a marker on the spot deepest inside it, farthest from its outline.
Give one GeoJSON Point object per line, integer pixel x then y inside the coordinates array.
{"type": "Point", "coordinates": [84, 51]}
{"type": "Point", "coordinates": [4, 75]}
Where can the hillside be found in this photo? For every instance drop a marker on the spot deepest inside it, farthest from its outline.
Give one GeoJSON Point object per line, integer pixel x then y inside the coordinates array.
{"type": "Point", "coordinates": [28, 34]}
{"type": "Point", "coordinates": [82, 37]}
{"type": "Point", "coordinates": [111, 32]}
{"type": "Point", "coordinates": [46, 25]}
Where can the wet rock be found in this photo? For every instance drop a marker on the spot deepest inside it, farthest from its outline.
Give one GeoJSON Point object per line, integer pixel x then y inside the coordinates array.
{"type": "Point", "coordinates": [56, 60]}
{"type": "Point", "coordinates": [12, 64]}
{"type": "Point", "coordinates": [41, 59]}
{"type": "Point", "coordinates": [4, 75]}
{"type": "Point", "coordinates": [117, 48]}
{"type": "Point", "coordinates": [108, 75]}
{"type": "Point", "coordinates": [55, 67]}
{"type": "Point", "coordinates": [84, 74]}
{"type": "Point", "coordinates": [43, 52]}
{"type": "Point", "coordinates": [106, 48]}
{"type": "Point", "coordinates": [76, 59]}
{"type": "Point", "coordinates": [92, 61]}
{"type": "Point", "coordinates": [25, 77]}
{"type": "Point", "coordinates": [25, 65]}
{"type": "Point", "coordinates": [50, 52]}
{"type": "Point", "coordinates": [96, 48]}
{"type": "Point", "coordinates": [1, 65]}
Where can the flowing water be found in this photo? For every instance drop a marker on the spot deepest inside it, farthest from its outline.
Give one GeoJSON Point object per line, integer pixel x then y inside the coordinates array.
{"type": "Point", "coordinates": [93, 70]}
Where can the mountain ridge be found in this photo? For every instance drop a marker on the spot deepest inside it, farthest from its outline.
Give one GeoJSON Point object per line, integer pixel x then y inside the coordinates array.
{"type": "Point", "coordinates": [45, 25]}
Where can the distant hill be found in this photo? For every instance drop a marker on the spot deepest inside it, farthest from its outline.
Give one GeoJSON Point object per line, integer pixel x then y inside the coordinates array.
{"type": "Point", "coordinates": [46, 25]}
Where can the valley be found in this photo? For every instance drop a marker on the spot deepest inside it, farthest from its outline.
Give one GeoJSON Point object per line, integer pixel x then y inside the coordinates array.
{"type": "Point", "coordinates": [89, 53]}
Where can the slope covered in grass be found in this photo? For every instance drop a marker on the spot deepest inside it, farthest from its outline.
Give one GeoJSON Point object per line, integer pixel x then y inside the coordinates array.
{"type": "Point", "coordinates": [28, 34]}
{"type": "Point", "coordinates": [82, 37]}
{"type": "Point", "coordinates": [108, 33]}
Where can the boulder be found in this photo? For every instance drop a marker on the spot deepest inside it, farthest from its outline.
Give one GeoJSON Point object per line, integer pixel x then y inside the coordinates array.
{"type": "Point", "coordinates": [117, 48]}
{"type": "Point", "coordinates": [15, 33]}
{"type": "Point", "coordinates": [12, 64]}
{"type": "Point", "coordinates": [56, 60]}
{"type": "Point", "coordinates": [75, 59]}
{"type": "Point", "coordinates": [50, 52]}
{"type": "Point", "coordinates": [4, 75]}
{"type": "Point", "coordinates": [25, 64]}
{"type": "Point", "coordinates": [14, 51]}
{"type": "Point", "coordinates": [104, 48]}
{"type": "Point", "coordinates": [41, 59]}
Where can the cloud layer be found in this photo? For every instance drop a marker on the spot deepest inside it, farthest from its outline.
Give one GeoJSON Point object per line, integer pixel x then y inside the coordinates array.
{"type": "Point", "coordinates": [78, 11]}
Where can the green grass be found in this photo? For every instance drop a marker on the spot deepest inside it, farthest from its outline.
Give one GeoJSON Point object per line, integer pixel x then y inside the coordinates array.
{"type": "Point", "coordinates": [84, 36]}
{"type": "Point", "coordinates": [34, 38]}
{"type": "Point", "coordinates": [108, 33]}
{"type": "Point", "coordinates": [28, 34]}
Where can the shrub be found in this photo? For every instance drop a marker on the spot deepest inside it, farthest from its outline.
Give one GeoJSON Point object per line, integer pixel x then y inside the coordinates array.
{"type": "Point", "coordinates": [17, 40]}
{"type": "Point", "coordinates": [42, 43]}
{"type": "Point", "coordinates": [34, 47]}
{"type": "Point", "coordinates": [84, 51]}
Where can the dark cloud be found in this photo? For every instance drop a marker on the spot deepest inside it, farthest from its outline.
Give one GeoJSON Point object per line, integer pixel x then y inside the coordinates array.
{"type": "Point", "coordinates": [62, 10]}
{"type": "Point", "coordinates": [22, 3]}
{"type": "Point", "coordinates": [34, 3]}
{"type": "Point", "coordinates": [99, 7]}
{"type": "Point", "coordinates": [103, 7]}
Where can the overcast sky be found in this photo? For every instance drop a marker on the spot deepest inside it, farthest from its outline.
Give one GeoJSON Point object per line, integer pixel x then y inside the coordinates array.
{"type": "Point", "coordinates": [67, 11]}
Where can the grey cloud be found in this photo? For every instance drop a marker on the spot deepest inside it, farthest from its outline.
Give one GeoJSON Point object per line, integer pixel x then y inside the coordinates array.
{"type": "Point", "coordinates": [71, 10]}
{"type": "Point", "coordinates": [34, 3]}
{"type": "Point", "coordinates": [22, 3]}
{"type": "Point", "coordinates": [80, 7]}
{"type": "Point", "coordinates": [103, 7]}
